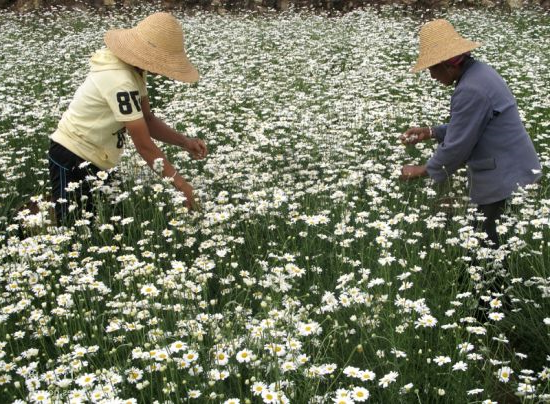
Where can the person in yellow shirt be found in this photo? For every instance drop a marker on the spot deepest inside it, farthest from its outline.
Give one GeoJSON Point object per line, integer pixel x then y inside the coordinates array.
{"type": "Point", "coordinates": [112, 101]}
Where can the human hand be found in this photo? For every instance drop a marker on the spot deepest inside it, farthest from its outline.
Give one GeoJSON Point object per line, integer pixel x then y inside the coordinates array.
{"type": "Point", "coordinates": [415, 135]}
{"type": "Point", "coordinates": [409, 172]}
{"type": "Point", "coordinates": [190, 203]}
{"type": "Point", "coordinates": [196, 148]}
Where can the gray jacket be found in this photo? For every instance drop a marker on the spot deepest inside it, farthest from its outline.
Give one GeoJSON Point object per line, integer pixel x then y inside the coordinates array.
{"type": "Point", "coordinates": [485, 132]}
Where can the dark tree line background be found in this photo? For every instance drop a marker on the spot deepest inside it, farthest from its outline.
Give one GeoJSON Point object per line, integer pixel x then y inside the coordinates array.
{"type": "Point", "coordinates": [224, 6]}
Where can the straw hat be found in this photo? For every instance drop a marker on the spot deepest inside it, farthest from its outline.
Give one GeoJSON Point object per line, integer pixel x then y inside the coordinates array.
{"type": "Point", "coordinates": [156, 45]}
{"type": "Point", "coordinates": [439, 42]}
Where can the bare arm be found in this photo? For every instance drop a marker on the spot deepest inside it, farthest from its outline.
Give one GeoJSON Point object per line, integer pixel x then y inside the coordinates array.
{"type": "Point", "coordinates": [164, 133]}
{"type": "Point", "coordinates": [139, 132]}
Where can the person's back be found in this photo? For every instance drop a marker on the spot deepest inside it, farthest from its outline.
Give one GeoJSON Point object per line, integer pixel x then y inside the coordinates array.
{"type": "Point", "coordinates": [504, 156]}
{"type": "Point", "coordinates": [93, 125]}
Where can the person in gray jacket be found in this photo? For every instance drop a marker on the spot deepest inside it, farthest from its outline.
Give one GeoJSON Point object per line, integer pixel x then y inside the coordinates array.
{"type": "Point", "coordinates": [485, 131]}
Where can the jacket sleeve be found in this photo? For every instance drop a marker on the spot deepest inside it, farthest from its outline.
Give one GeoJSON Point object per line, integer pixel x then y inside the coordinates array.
{"type": "Point", "coordinates": [471, 111]}
{"type": "Point", "coordinates": [440, 132]}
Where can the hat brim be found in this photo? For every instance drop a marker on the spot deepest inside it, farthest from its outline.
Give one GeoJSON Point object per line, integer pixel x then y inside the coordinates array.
{"type": "Point", "coordinates": [130, 48]}
{"type": "Point", "coordinates": [434, 56]}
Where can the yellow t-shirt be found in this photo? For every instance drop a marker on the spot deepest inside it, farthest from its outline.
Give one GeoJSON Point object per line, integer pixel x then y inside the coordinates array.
{"type": "Point", "coordinates": [93, 125]}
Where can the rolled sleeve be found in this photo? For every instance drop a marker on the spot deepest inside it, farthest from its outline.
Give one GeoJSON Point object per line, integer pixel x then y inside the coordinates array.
{"type": "Point", "coordinates": [470, 112]}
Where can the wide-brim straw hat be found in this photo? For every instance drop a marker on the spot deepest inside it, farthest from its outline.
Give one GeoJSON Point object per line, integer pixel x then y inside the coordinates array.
{"type": "Point", "coordinates": [439, 42]}
{"type": "Point", "coordinates": [156, 45]}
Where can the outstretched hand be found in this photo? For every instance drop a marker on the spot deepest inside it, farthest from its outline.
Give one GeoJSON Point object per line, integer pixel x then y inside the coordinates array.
{"type": "Point", "coordinates": [196, 148]}
{"type": "Point", "coordinates": [415, 135]}
{"type": "Point", "coordinates": [190, 202]}
{"type": "Point", "coordinates": [409, 172]}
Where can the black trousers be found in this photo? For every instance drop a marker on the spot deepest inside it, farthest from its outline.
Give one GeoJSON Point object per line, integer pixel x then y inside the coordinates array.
{"type": "Point", "coordinates": [495, 282]}
{"type": "Point", "coordinates": [492, 212]}
{"type": "Point", "coordinates": [65, 168]}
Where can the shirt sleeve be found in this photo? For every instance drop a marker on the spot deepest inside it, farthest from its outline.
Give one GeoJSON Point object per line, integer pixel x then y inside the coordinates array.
{"type": "Point", "coordinates": [124, 97]}
{"type": "Point", "coordinates": [470, 113]}
{"type": "Point", "coordinates": [440, 132]}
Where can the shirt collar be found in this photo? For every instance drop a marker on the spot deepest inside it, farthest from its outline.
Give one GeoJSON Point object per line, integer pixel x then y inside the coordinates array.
{"type": "Point", "coordinates": [467, 64]}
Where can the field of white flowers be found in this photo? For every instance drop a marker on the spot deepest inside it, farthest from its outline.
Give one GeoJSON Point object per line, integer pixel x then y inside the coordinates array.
{"type": "Point", "coordinates": [312, 275]}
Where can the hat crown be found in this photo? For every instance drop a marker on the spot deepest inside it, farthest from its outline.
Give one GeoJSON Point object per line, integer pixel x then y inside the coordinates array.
{"type": "Point", "coordinates": [163, 31]}
{"type": "Point", "coordinates": [437, 33]}
{"type": "Point", "coordinates": [439, 41]}
{"type": "Point", "coordinates": [156, 45]}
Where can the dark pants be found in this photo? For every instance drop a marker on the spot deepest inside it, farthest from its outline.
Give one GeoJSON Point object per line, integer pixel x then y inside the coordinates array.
{"type": "Point", "coordinates": [494, 282]}
{"type": "Point", "coordinates": [65, 169]}
{"type": "Point", "coordinates": [492, 212]}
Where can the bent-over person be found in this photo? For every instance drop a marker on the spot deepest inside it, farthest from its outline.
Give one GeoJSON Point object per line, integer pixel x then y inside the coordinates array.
{"type": "Point", "coordinates": [113, 100]}
{"type": "Point", "coordinates": [485, 131]}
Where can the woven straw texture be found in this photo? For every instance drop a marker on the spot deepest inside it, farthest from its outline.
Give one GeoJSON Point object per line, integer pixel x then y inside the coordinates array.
{"type": "Point", "coordinates": [439, 42]}
{"type": "Point", "coordinates": [156, 45]}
